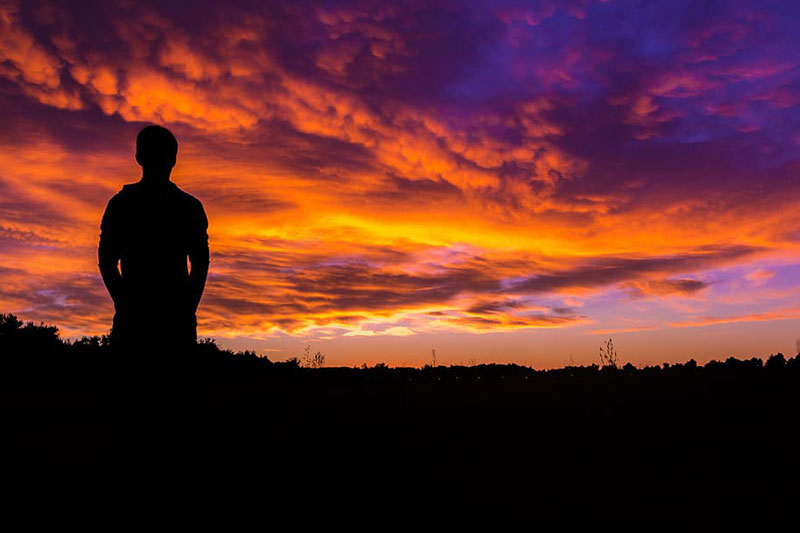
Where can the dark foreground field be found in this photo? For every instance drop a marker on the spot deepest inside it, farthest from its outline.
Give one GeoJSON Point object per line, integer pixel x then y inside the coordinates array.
{"type": "Point", "coordinates": [236, 441]}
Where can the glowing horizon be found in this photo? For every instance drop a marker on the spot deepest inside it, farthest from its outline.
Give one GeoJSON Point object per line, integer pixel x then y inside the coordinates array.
{"type": "Point", "coordinates": [499, 181]}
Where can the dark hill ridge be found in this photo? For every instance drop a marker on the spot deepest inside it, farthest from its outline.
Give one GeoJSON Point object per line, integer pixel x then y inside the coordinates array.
{"type": "Point", "coordinates": [381, 447]}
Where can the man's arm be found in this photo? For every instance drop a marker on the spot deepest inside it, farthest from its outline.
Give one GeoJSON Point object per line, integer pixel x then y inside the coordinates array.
{"type": "Point", "coordinates": [198, 256]}
{"type": "Point", "coordinates": [108, 252]}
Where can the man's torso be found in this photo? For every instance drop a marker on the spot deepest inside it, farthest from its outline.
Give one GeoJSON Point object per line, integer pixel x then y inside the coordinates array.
{"type": "Point", "coordinates": [153, 229]}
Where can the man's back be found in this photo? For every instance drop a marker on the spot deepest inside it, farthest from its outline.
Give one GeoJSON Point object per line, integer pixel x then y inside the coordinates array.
{"type": "Point", "coordinates": [151, 229]}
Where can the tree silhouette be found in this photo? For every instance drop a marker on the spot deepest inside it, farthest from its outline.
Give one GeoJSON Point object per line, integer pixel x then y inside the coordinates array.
{"type": "Point", "coordinates": [38, 339]}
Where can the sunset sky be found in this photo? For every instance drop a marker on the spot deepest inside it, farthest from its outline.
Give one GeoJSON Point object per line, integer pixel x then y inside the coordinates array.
{"type": "Point", "coordinates": [499, 181]}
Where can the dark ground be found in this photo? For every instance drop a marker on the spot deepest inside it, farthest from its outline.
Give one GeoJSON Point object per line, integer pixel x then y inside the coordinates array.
{"type": "Point", "coordinates": [239, 443]}
{"type": "Point", "coordinates": [332, 448]}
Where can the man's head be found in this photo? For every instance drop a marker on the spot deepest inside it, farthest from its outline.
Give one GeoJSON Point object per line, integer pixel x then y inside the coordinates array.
{"type": "Point", "coordinates": [156, 148]}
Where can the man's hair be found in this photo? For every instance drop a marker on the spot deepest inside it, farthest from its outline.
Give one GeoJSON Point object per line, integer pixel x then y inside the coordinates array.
{"type": "Point", "coordinates": [156, 146]}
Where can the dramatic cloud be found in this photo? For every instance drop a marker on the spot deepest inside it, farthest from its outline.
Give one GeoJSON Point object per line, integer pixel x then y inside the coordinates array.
{"type": "Point", "coordinates": [380, 170]}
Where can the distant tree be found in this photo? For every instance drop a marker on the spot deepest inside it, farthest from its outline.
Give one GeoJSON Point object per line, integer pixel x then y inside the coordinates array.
{"type": "Point", "coordinates": [37, 339]}
{"type": "Point", "coordinates": [207, 341]}
{"type": "Point", "coordinates": [608, 354]}
{"type": "Point", "coordinates": [93, 344]}
{"type": "Point", "coordinates": [10, 324]}
{"type": "Point", "coordinates": [776, 361]}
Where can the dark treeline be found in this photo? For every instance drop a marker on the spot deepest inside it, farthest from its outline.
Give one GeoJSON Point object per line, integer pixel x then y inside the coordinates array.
{"type": "Point", "coordinates": [383, 448]}
{"type": "Point", "coordinates": [30, 348]}
{"type": "Point", "coordinates": [38, 347]}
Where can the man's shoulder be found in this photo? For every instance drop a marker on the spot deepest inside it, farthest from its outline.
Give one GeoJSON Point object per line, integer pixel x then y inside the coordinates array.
{"type": "Point", "coordinates": [185, 196]}
{"type": "Point", "coordinates": [123, 194]}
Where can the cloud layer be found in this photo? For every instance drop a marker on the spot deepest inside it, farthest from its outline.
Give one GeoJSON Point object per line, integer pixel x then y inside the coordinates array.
{"type": "Point", "coordinates": [377, 170]}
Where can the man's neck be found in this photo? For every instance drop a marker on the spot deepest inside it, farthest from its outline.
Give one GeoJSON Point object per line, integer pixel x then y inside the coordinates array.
{"type": "Point", "coordinates": [155, 177]}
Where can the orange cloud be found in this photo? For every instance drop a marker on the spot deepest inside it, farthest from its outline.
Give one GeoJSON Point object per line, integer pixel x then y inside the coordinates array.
{"type": "Point", "coordinates": [33, 63]}
{"type": "Point", "coordinates": [781, 314]}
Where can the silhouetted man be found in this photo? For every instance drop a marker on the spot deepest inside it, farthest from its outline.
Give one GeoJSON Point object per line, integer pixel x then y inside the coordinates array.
{"type": "Point", "coordinates": [148, 231]}
{"type": "Point", "coordinates": [150, 228]}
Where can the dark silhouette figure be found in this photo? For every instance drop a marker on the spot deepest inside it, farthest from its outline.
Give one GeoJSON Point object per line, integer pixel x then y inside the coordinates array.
{"type": "Point", "coordinates": [150, 228]}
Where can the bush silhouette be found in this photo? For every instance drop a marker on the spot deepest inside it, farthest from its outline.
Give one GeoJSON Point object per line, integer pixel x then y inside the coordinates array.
{"type": "Point", "coordinates": [608, 355]}
{"type": "Point", "coordinates": [14, 335]}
